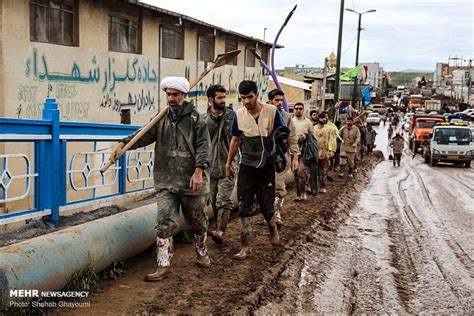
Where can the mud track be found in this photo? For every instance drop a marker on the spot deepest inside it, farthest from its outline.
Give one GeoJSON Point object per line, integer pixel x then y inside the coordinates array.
{"type": "Point", "coordinates": [231, 286]}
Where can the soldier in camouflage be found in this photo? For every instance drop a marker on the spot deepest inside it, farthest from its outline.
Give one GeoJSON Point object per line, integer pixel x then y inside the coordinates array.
{"type": "Point", "coordinates": [219, 122]}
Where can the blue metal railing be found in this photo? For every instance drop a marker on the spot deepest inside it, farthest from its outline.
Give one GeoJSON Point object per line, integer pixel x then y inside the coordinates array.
{"type": "Point", "coordinates": [56, 177]}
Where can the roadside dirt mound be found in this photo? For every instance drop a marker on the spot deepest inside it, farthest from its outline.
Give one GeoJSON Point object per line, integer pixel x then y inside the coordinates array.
{"type": "Point", "coordinates": [230, 286]}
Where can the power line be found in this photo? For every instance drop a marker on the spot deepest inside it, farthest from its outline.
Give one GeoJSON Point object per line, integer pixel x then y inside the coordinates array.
{"type": "Point", "coordinates": [350, 45]}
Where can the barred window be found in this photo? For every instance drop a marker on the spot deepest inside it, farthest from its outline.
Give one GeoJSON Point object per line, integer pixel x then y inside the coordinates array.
{"type": "Point", "coordinates": [52, 21]}
{"type": "Point", "coordinates": [230, 45]}
{"type": "Point", "coordinates": [249, 58]}
{"type": "Point", "coordinates": [172, 42]}
{"type": "Point", "coordinates": [123, 35]}
{"type": "Point", "coordinates": [206, 48]}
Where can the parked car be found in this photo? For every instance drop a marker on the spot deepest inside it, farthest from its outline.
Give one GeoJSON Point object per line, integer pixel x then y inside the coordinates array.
{"type": "Point", "coordinates": [468, 111]}
{"type": "Point", "coordinates": [379, 108]}
{"type": "Point", "coordinates": [459, 115]}
{"type": "Point", "coordinates": [373, 118]}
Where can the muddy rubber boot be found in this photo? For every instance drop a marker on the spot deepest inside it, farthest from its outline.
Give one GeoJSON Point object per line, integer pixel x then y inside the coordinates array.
{"type": "Point", "coordinates": [245, 236]}
{"type": "Point", "coordinates": [274, 235]}
{"type": "Point", "coordinates": [202, 259]}
{"type": "Point", "coordinates": [222, 220]}
{"type": "Point", "coordinates": [163, 259]}
{"type": "Point", "coordinates": [278, 205]}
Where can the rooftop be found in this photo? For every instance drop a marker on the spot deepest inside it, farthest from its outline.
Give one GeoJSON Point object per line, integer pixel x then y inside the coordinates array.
{"type": "Point", "coordinates": [163, 12]}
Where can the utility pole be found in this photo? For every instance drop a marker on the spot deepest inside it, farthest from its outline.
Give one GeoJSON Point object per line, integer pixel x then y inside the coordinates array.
{"type": "Point", "coordinates": [469, 83]}
{"type": "Point", "coordinates": [354, 92]}
{"type": "Point", "coordinates": [325, 73]}
{"type": "Point", "coordinates": [455, 58]}
{"type": "Point", "coordinates": [338, 57]}
{"type": "Point", "coordinates": [462, 83]}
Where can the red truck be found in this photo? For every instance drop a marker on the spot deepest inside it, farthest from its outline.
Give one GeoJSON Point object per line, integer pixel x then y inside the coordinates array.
{"type": "Point", "coordinates": [421, 126]}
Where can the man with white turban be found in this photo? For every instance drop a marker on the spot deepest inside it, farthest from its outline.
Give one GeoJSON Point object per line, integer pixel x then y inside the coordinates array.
{"type": "Point", "coordinates": [180, 173]}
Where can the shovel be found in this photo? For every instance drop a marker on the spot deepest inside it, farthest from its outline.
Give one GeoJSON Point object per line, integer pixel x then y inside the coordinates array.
{"type": "Point", "coordinates": [219, 61]}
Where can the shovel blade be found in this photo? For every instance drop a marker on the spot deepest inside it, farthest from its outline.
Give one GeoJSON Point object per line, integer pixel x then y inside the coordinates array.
{"type": "Point", "coordinates": [225, 58]}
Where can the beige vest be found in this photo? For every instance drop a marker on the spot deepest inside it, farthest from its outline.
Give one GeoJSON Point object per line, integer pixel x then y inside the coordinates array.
{"type": "Point", "coordinates": [249, 126]}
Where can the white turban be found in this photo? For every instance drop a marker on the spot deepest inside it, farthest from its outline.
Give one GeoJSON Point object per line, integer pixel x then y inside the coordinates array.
{"type": "Point", "coordinates": [178, 83]}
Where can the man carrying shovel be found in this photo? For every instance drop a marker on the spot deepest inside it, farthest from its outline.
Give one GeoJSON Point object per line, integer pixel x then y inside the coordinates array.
{"type": "Point", "coordinates": [181, 158]}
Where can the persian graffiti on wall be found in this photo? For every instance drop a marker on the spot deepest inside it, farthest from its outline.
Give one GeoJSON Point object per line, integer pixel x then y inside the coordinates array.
{"type": "Point", "coordinates": [85, 84]}
{"type": "Point", "coordinates": [230, 79]}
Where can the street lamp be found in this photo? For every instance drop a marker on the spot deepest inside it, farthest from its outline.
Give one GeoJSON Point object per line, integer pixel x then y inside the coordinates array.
{"type": "Point", "coordinates": [264, 31]}
{"type": "Point", "coordinates": [354, 92]}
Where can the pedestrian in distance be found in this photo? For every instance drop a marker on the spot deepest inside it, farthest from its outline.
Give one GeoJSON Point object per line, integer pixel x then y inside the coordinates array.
{"type": "Point", "coordinates": [180, 174]}
{"type": "Point", "coordinates": [390, 131]}
{"type": "Point", "coordinates": [304, 128]}
{"type": "Point", "coordinates": [351, 138]}
{"type": "Point", "coordinates": [313, 116]}
{"type": "Point", "coordinates": [326, 138]}
{"type": "Point", "coordinates": [397, 144]}
{"type": "Point", "coordinates": [219, 122]}
{"type": "Point", "coordinates": [371, 134]}
{"type": "Point", "coordinates": [252, 130]}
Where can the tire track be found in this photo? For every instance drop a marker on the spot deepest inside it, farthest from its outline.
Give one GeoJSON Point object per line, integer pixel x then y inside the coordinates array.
{"type": "Point", "coordinates": [445, 172]}
{"type": "Point", "coordinates": [410, 215]}
{"type": "Point", "coordinates": [458, 250]}
{"type": "Point", "coordinates": [461, 294]}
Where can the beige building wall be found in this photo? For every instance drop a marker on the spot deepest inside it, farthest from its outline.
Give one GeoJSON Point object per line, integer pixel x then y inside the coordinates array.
{"type": "Point", "coordinates": [90, 83]}
{"type": "Point", "coordinates": [292, 94]}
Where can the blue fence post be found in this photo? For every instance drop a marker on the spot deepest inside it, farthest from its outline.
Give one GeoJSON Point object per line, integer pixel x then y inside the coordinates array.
{"type": "Point", "coordinates": [53, 193]}
{"type": "Point", "coordinates": [122, 174]}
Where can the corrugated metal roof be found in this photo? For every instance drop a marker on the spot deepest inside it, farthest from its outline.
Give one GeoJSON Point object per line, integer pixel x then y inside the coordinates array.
{"type": "Point", "coordinates": [196, 21]}
{"type": "Point", "coordinates": [293, 83]}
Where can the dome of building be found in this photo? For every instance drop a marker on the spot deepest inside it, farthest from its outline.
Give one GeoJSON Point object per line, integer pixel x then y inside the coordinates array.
{"type": "Point", "coordinates": [332, 57]}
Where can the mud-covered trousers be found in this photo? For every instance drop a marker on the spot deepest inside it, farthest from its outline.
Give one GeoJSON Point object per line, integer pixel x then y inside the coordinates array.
{"type": "Point", "coordinates": [260, 182]}
{"type": "Point", "coordinates": [323, 167]}
{"type": "Point", "coordinates": [168, 206]}
{"type": "Point", "coordinates": [220, 195]}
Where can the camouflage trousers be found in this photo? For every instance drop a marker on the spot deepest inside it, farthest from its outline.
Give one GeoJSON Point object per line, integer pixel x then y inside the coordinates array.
{"type": "Point", "coordinates": [168, 207]}
{"type": "Point", "coordinates": [220, 194]}
{"type": "Point", "coordinates": [323, 167]}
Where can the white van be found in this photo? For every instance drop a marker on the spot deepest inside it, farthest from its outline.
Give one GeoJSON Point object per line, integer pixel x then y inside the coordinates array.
{"type": "Point", "coordinates": [450, 143]}
{"type": "Point", "coordinates": [401, 89]}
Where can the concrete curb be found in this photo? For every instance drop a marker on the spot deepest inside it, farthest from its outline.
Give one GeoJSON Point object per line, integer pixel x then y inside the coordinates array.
{"type": "Point", "coordinates": [47, 262]}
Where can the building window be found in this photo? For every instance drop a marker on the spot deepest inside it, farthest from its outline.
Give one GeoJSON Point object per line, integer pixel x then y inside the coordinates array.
{"type": "Point", "coordinates": [172, 42]}
{"type": "Point", "coordinates": [249, 58]}
{"type": "Point", "coordinates": [52, 21]}
{"type": "Point", "coordinates": [123, 35]}
{"type": "Point", "coordinates": [230, 45]}
{"type": "Point", "coordinates": [206, 48]}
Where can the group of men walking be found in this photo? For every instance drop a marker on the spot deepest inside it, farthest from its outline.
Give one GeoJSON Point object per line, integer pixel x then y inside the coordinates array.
{"type": "Point", "coordinates": [200, 158]}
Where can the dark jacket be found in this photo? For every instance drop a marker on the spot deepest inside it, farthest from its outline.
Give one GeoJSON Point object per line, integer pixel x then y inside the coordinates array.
{"type": "Point", "coordinates": [219, 132]}
{"type": "Point", "coordinates": [180, 147]}
{"type": "Point", "coordinates": [309, 149]}
{"type": "Point", "coordinates": [280, 138]}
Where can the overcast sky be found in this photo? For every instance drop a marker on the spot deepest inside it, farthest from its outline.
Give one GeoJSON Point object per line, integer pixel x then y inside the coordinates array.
{"type": "Point", "coordinates": [402, 34]}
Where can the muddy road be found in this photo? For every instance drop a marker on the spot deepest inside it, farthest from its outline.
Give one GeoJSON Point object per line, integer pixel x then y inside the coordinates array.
{"type": "Point", "coordinates": [392, 240]}
{"type": "Point", "coordinates": [407, 247]}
